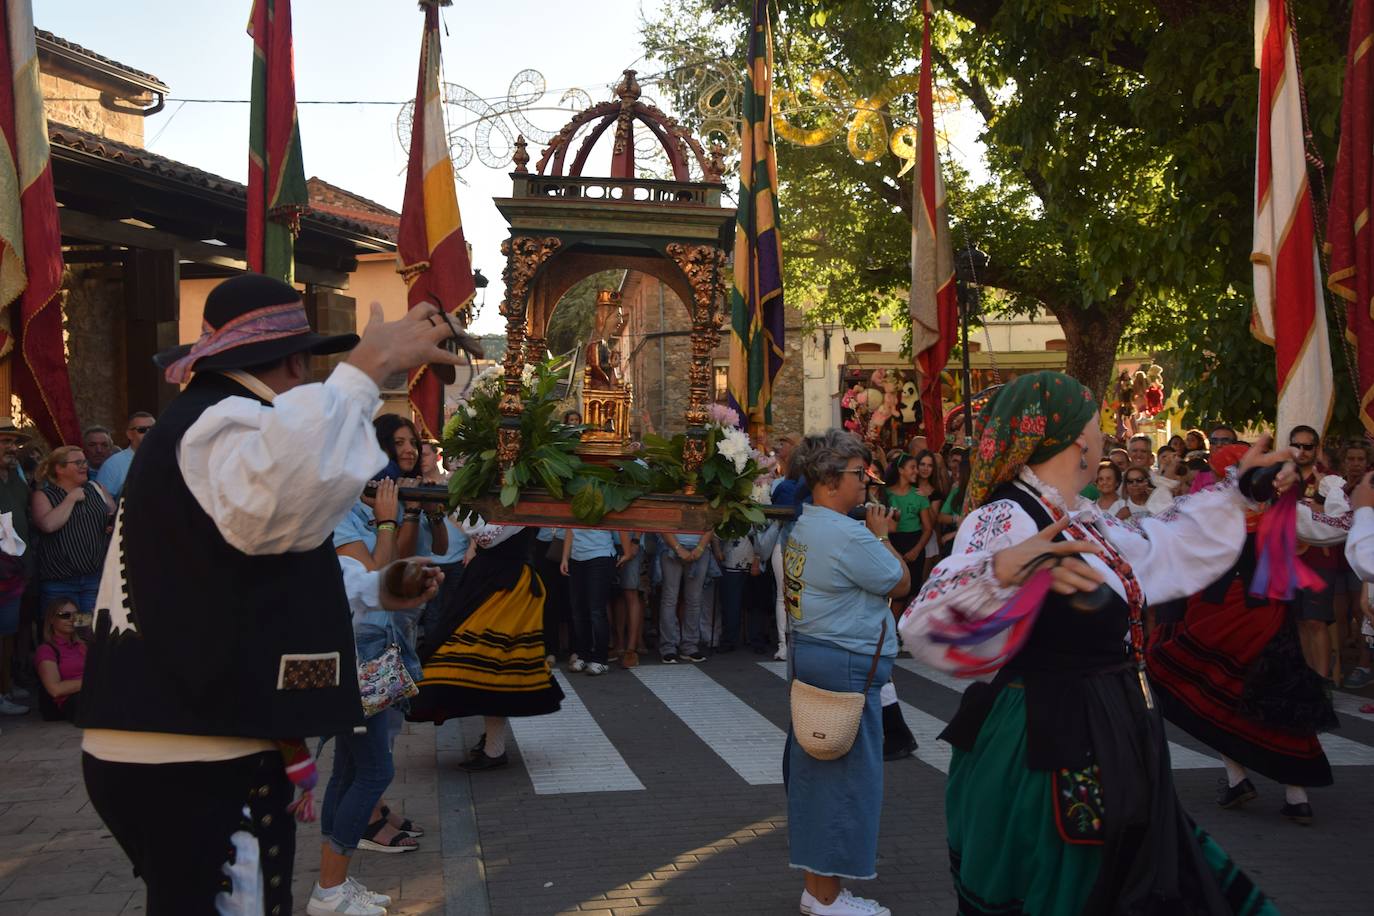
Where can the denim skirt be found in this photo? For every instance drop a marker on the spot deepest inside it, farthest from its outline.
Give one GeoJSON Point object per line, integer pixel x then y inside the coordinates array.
{"type": "Point", "coordinates": [834, 806]}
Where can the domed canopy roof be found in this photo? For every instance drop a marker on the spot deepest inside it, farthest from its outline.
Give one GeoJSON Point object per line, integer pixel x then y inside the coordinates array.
{"type": "Point", "coordinates": [623, 112]}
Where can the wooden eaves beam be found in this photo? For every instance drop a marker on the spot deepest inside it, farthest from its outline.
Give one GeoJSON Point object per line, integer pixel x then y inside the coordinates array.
{"type": "Point", "coordinates": [88, 227]}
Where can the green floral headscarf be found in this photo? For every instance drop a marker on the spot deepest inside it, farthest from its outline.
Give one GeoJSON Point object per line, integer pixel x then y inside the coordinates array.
{"type": "Point", "coordinates": [1029, 421]}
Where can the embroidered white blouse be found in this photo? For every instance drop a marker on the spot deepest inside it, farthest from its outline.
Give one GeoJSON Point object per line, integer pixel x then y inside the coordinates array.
{"type": "Point", "coordinates": [1173, 555]}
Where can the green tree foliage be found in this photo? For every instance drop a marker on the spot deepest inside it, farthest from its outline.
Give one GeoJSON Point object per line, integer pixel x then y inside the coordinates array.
{"type": "Point", "coordinates": [1120, 139]}
{"type": "Point", "coordinates": [574, 318]}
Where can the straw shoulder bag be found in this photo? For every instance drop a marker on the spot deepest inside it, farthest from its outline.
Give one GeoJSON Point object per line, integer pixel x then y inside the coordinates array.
{"type": "Point", "coordinates": [826, 722]}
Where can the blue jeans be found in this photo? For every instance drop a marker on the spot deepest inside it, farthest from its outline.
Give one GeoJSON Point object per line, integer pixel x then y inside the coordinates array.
{"type": "Point", "coordinates": [589, 591]}
{"type": "Point", "coordinates": [834, 806]}
{"type": "Point", "coordinates": [363, 768]}
{"type": "Point", "coordinates": [79, 590]}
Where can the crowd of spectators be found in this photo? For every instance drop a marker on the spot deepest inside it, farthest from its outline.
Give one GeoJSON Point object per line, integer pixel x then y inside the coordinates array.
{"type": "Point", "coordinates": [61, 509]}
{"type": "Point", "coordinates": [59, 518]}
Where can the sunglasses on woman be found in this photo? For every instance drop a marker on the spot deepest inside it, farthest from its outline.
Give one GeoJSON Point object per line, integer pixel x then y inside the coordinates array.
{"type": "Point", "coordinates": [65, 615]}
{"type": "Point", "coordinates": [1136, 480]}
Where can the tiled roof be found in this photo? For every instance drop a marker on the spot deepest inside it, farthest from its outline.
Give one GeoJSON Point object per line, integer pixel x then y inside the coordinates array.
{"type": "Point", "coordinates": [61, 135]}
{"type": "Point", "coordinates": [330, 198]}
{"type": "Point", "coordinates": [87, 52]}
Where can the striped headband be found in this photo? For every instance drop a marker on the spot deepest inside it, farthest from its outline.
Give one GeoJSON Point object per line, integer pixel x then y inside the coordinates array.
{"type": "Point", "coordinates": [271, 322]}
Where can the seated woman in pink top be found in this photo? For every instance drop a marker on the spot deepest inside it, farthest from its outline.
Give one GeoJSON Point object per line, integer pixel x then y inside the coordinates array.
{"type": "Point", "coordinates": [60, 659]}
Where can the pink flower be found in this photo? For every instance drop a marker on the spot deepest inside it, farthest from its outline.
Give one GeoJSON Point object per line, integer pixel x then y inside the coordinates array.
{"type": "Point", "coordinates": [723, 416]}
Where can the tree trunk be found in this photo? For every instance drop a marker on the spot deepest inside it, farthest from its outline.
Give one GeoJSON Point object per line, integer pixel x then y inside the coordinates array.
{"type": "Point", "coordinates": [1092, 336]}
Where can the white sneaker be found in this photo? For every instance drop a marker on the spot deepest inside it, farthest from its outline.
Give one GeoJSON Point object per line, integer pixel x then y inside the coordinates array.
{"type": "Point", "coordinates": [846, 904]}
{"type": "Point", "coordinates": [781, 654]}
{"type": "Point", "coordinates": [372, 897]}
{"type": "Point", "coordinates": [343, 899]}
{"type": "Point", "coordinates": [577, 665]}
{"type": "Point", "coordinates": [595, 668]}
{"type": "Point", "coordinates": [10, 708]}
{"type": "Point", "coordinates": [19, 693]}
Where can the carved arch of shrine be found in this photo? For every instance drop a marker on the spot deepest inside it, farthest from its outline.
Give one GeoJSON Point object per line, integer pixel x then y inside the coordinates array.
{"type": "Point", "coordinates": [566, 227]}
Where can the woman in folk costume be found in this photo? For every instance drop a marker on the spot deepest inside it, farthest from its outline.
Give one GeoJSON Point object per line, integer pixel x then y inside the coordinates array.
{"type": "Point", "coordinates": [1060, 798]}
{"type": "Point", "coordinates": [486, 656]}
{"type": "Point", "coordinates": [1232, 675]}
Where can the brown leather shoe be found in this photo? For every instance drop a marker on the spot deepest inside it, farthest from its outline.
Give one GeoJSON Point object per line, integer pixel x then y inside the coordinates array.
{"type": "Point", "coordinates": [630, 659]}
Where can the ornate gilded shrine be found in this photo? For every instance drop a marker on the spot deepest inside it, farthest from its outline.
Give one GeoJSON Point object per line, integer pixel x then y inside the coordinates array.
{"type": "Point", "coordinates": [565, 226]}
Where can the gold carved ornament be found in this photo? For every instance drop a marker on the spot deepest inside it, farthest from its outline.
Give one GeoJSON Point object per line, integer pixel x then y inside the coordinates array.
{"type": "Point", "coordinates": [524, 255]}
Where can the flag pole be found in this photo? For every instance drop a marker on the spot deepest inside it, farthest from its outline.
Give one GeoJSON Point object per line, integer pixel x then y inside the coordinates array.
{"type": "Point", "coordinates": [968, 369]}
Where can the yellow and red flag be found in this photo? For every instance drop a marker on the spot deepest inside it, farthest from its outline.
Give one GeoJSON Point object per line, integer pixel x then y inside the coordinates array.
{"type": "Point", "coordinates": [431, 251]}
{"type": "Point", "coordinates": [934, 298]}
{"type": "Point", "coordinates": [30, 239]}
{"type": "Point", "coordinates": [1349, 238]}
{"type": "Point", "coordinates": [1290, 306]}
{"type": "Point", "coordinates": [277, 194]}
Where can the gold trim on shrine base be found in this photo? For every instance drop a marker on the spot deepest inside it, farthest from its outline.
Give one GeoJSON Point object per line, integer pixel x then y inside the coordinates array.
{"type": "Point", "coordinates": [606, 415]}
{"type": "Point", "coordinates": [658, 513]}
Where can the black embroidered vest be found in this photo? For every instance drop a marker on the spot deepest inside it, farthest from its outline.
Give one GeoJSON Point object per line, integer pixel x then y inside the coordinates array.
{"type": "Point", "coordinates": [205, 639]}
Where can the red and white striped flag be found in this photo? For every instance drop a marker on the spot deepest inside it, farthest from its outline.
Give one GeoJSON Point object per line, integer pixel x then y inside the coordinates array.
{"type": "Point", "coordinates": [934, 300]}
{"type": "Point", "coordinates": [1290, 307]}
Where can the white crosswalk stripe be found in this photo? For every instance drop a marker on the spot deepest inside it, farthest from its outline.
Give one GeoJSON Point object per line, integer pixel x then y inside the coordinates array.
{"type": "Point", "coordinates": [1183, 758]}
{"type": "Point", "coordinates": [568, 752]}
{"type": "Point", "coordinates": [750, 744]}
{"type": "Point", "coordinates": [924, 726]}
{"type": "Point", "coordinates": [1348, 704]}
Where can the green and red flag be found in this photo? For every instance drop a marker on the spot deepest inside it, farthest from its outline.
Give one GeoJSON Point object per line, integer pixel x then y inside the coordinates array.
{"type": "Point", "coordinates": [276, 173]}
{"type": "Point", "coordinates": [1349, 238]}
{"type": "Point", "coordinates": [934, 303]}
{"type": "Point", "coordinates": [756, 299]}
{"type": "Point", "coordinates": [30, 239]}
{"type": "Point", "coordinates": [431, 252]}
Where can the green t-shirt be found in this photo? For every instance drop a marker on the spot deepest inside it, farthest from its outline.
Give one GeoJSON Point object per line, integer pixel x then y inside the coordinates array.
{"type": "Point", "coordinates": [911, 506]}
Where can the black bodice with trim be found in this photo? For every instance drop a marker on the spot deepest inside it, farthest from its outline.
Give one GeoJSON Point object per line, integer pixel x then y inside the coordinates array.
{"type": "Point", "coordinates": [1065, 646]}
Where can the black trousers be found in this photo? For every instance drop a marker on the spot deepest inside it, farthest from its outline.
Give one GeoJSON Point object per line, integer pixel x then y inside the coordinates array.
{"type": "Point", "coordinates": [183, 867]}
{"type": "Point", "coordinates": [556, 609]}
{"type": "Point", "coordinates": [589, 591]}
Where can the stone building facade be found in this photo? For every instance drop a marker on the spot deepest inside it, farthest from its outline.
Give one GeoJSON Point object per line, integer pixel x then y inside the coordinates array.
{"type": "Point", "coordinates": [90, 92]}
{"type": "Point", "coordinates": [660, 353]}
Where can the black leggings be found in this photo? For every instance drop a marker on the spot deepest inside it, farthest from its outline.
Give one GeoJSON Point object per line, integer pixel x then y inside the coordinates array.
{"type": "Point", "coordinates": [182, 867]}
{"type": "Point", "coordinates": [902, 541]}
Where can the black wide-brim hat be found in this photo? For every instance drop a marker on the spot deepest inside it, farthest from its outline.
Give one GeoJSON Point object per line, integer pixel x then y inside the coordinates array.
{"type": "Point", "coordinates": [267, 321]}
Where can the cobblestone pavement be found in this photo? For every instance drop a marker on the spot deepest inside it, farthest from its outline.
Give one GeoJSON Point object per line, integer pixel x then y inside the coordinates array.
{"type": "Point", "coordinates": [658, 791]}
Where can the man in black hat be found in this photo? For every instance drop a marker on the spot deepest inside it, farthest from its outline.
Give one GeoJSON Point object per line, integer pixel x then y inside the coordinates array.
{"type": "Point", "coordinates": [222, 629]}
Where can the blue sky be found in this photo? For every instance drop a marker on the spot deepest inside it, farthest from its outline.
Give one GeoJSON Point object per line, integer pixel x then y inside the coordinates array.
{"type": "Point", "coordinates": [354, 49]}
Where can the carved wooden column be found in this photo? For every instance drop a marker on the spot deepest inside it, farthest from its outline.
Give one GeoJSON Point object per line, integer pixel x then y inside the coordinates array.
{"type": "Point", "coordinates": [524, 255]}
{"type": "Point", "coordinates": [701, 264]}
{"type": "Point", "coordinates": [536, 349]}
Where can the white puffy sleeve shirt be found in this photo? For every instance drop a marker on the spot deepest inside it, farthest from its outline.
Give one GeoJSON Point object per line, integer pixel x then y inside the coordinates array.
{"type": "Point", "coordinates": [277, 479]}
{"type": "Point", "coordinates": [1174, 555]}
{"type": "Point", "coordinates": [1359, 546]}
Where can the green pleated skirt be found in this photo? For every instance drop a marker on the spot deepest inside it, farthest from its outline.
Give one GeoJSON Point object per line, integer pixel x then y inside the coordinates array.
{"type": "Point", "coordinates": [1008, 853]}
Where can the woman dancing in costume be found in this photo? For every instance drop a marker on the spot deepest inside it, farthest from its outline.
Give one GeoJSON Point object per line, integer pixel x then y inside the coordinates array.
{"type": "Point", "coordinates": [1232, 675]}
{"type": "Point", "coordinates": [486, 655]}
{"type": "Point", "coordinates": [1060, 798]}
